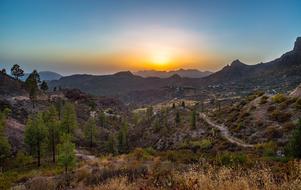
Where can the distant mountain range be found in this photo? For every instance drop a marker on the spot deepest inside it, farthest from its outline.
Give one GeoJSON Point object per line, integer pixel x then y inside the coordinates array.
{"type": "Point", "coordinates": [189, 73]}
{"type": "Point", "coordinates": [45, 75]}
{"type": "Point", "coordinates": [282, 73]}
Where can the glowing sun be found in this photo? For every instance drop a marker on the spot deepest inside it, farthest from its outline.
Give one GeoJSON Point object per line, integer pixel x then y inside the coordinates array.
{"type": "Point", "coordinates": [160, 59]}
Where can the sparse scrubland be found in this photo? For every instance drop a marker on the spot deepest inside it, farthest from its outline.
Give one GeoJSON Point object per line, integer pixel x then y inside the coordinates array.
{"type": "Point", "coordinates": [67, 139]}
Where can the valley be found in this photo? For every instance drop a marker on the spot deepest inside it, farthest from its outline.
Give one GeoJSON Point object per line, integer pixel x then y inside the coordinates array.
{"type": "Point", "coordinates": [238, 128]}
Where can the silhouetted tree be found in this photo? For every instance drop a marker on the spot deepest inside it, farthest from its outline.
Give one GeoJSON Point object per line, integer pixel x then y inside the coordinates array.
{"type": "Point", "coordinates": [44, 86]}
{"type": "Point", "coordinates": [16, 71]}
{"type": "Point", "coordinates": [31, 84]}
{"type": "Point", "coordinates": [3, 71]}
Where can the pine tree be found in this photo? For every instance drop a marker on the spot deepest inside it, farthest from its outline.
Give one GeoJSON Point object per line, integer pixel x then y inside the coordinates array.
{"type": "Point", "coordinates": [102, 119]}
{"type": "Point", "coordinates": [3, 71]}
{"type": "Point", "coordinates": [173, 105]}
{"type": "Point", "coordinates": [16, 71]}
{"type": "Point", "coordinates": [183, 104]}
{"type": "Point", "coordinates": [149, 112]}
{"type": "Point", "coordinates": [69, 121]}
{"type": "Point", "coordinates": [112, 146]}
{"type": "Point", "coordinates": [31, 84]}
{"type": "Point", "coordinates": [44, 86]}
{"type": "Point", "coordinates": [123, 138]}
{"type": "Point", "coordinates": [52, 123]}
{"type": "Point", "coordinates": [90, 130]}
{"type": "Point", "coordinates": [66, 157]}
{"type": "Point", "coordinates": [35, 135]}
{"type": "Point", "coordinates": [4, 144]}
{"type": "Point", "coordinates": [193, 120]}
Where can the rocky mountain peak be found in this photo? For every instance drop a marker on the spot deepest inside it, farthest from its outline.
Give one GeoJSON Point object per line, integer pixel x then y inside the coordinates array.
{"type": "Point", "coordinates": [236, 63]}
{"type": "Point", "coordinates": [124, 74]}
{"type": "Point", "coordinates": [297, 46]}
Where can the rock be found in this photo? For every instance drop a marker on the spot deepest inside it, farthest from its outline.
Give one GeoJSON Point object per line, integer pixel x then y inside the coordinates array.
{"type": "Point", "coordinates": [297, 46]}
{"type": "Point", "coordinates": [296, 92]}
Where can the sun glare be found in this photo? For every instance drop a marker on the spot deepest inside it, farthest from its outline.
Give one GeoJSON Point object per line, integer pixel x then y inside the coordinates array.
{"type": "Point", "coordinates": [160, 59]}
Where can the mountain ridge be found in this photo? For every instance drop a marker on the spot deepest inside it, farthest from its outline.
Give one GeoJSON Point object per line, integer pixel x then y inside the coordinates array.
{"type": "Point", "coordinates": [189, 73]}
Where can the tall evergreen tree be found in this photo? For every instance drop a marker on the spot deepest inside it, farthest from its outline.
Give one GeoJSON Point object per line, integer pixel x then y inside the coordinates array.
{"type": "Point", "coordinates": [102, 119]}
{"type": "Point", "coordinates": [90, 130]}
{"type": "Point", "coordinates": [52, 123]}
{"type": "Point", "coordinates": [123, 138]}
{"type": "Point", "coordinates": [193, 119]}
{"type": "Point", "coordinates": [112, 145]}
{"type": "Point", "coordinates": [16, 71]}
{"type": "Point", "coordinates": [44, 86]}
{"type": "Point", "coordinates": [35, 135]}
{"type": "Point", "coordinates": [149, 112]}
{"type": "Point", "coordinates": [69, 121]}
{"type": "Point", "coordinates": [4, 144]}
{"type": "Point", "coordinates": [31, 84]}
{"type": "Point", "coordinates": [66, 157]}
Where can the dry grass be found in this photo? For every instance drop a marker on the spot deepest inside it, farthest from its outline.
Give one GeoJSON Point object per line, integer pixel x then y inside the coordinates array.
{"type": "Point", "coordinates": [211, 178]}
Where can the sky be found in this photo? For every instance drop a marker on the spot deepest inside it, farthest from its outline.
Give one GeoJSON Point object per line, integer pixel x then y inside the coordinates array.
{"type": "Point", "coordinates": [101, 37]}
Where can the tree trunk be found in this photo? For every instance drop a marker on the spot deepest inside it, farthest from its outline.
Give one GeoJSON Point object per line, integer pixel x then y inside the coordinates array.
{"type": "Point", "coordinates": [39, 154]}
{"type": "Point", "coordinates": [91, 140]}
{"type": "Point", "coordinates": [53, 148]}
{"type": "Point", "coordinates": [33, 104]}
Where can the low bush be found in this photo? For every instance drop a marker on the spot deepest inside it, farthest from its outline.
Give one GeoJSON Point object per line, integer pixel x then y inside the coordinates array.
{"type": "Point", "coordinates": [280, 116]}
{"type": "Point", "coordinates": [232, 159]}
{"type": "Point", "coordinates": [279, 98]}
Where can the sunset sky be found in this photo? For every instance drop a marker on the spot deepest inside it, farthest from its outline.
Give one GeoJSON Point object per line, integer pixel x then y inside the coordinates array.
{"type": "Point", "coordinates": [99, 37]}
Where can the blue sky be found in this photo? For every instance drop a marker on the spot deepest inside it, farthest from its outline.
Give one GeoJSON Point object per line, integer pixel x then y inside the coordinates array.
{"type": "Point", "coordinates": [86, 36]}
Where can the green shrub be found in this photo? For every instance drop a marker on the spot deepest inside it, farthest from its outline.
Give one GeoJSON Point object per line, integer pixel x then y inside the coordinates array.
{"type": "Point", "coordinates": [140, 154]}
{"type": "Point", "coordinates": [22, 159]}
{"type": "Point", "coordinates": [182, 156]}
{"type": "Point", "coordinates": [280, 116]}
{"type": "Point", "coordinates": [269, 148]}
{"type": "Point", "coordinates": [294, 145]}
{"type": "Point", "coordinates": [232, 159]}
{"type": "Point", "coordinates": [278, 98]}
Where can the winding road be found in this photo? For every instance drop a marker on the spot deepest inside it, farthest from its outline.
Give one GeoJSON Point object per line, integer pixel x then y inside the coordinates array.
{"type": "Point", "coordinates": [225, 132]}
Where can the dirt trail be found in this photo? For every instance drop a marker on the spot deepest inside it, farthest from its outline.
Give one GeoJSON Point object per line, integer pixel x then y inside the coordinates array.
{"type": "Point", "coordinates": [225, 132]}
